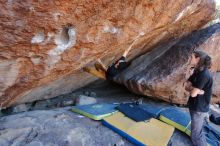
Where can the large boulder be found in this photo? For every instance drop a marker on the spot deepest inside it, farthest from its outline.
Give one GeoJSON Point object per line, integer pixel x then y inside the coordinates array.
{"type": "Point", "coordinates": [45, 44]}
{"type": "Point", "coordinates": [162, 72]}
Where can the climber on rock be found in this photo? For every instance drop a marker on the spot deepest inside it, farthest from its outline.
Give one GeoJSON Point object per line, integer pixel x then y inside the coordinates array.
{"type": "Point", "coordinates": [112, 70]}
{"type": "Point", "coordinates": [115, 68]}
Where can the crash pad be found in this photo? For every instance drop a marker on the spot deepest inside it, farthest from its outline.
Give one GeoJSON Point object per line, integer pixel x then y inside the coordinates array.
{"type": "Point", "coordinates": [176, 117]}
{"type": "Point", "coordinates": [96, 111]}
{"type": "Point", "coordinates": [153, 109]}
{"type": "Point", "coordinates": [134, 111]}
{"type": "Point", "coordinates": [145, 110]}
{"type": "Point", "coordinates": [151, 133]}
{"type": "Point", "coordinates": [182, 121]}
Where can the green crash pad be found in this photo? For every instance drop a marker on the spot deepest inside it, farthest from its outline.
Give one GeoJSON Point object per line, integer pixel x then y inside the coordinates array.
{"type": "Point", "coordinates": [96, 111]}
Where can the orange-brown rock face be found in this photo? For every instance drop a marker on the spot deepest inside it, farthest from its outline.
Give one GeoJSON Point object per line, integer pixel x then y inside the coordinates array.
{"type": "Point", "coordinates": [162, 73]}
{"type": "Point", "coordinates": [45, 44]}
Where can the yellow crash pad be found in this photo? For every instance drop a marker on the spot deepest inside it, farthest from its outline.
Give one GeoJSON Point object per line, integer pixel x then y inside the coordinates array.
{"type": "Point", "coordinates": [150, 133]}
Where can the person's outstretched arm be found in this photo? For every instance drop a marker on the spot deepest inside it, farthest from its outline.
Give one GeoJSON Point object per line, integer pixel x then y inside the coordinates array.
{"type": "Point", "coordinates": [126, 52]}
{"type": "Point", "coordinates": [130, 47]}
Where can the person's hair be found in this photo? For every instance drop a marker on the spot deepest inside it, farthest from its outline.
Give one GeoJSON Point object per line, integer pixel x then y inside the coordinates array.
{"type": "Point", "coordinates": [205, 60]}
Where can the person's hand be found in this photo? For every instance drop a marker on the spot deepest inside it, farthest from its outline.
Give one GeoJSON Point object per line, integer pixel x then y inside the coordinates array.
{"type": "Point", "coordinates": [99, 61]}
{"type": "Point", "coordinates": [201, 92]}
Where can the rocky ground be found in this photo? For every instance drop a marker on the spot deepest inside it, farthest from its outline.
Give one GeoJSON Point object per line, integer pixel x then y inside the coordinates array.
{"type": "Point", "coordinates": [49, 123]}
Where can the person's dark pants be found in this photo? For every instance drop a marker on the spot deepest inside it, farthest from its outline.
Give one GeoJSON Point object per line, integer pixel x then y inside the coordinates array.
{"type": "Point", "coordinates": [197, 121]}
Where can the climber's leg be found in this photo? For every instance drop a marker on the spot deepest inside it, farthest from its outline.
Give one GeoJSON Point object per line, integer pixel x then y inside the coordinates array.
{"type": "Point", "coordinates": [95, 72]}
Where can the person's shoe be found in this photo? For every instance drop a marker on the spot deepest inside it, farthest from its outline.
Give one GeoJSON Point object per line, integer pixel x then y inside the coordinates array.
{"type": "Point", "coordinates": [212, 118]}
{"type": "Point", "coordinates": [98, 66]}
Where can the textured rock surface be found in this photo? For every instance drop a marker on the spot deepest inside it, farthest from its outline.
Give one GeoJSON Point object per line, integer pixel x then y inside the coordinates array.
{"type": "Point", "coordinates": [62, 128]}
{"type": "Point", "coordinates": [43, 45]}
{"type": "Point", "coordinates": [84, 100]}
{"type": "Point", "coordinates": [162, 72]}
{"type": "Point", "coordinates": [58, 127]}
{"type": "Point", "coordinates": [216, 89]}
